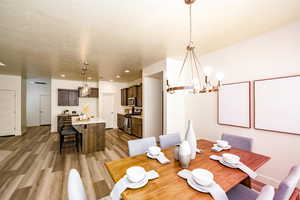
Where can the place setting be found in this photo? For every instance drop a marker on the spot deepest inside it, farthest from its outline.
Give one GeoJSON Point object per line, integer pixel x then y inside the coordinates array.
{"type": "Point", "coordinates": [233, 161]}
{"type": "Point", "coordinates": [136, 177]}
{"type": "Point", "coordinates": [221, 145]}
{"type": "Point", "coordinates": [202, 180]}
{"type": "Point", "coordinates": [154, 152]}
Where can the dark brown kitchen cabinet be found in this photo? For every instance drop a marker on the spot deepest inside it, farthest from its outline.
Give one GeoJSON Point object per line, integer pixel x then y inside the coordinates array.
{"type": "Point", "coordinates": [120, 121]}
{"type": "Point", "coordinates": [68, 97]}
{"type": "Point", "coordinates": [139, 96]}
{"type": "Point", "coordinates": [137, 127]}
{"type": "Point", "coordinates": [73, 98]}
{"type": "Point", "coordinates": [132, 91]}
{"type": "Point", "coordinates": [124, 97]}
{"type": "Point", "coordinates": [93, 93]}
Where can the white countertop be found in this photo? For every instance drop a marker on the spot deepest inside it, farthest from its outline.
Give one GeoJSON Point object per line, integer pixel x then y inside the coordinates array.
{"type": "Point", "coordinates": [90, 121]}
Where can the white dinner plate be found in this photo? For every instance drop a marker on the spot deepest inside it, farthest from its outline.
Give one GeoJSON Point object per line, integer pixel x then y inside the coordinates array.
{"type": "Point", "coordinates": [234, 166]}
{"type": "Point", "coordinates": [137, 185]}
{"type": "Point", "coordinates": [224, 148]}
{"type": "Point", "coordinates": [196, 186]}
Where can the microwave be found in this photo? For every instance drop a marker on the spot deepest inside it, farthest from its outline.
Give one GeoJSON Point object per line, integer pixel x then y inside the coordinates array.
{"type": "Point", "coordinates": [131, 101]}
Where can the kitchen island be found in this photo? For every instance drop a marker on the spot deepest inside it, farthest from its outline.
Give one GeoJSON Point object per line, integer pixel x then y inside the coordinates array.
{"type": "Point", "coordinates": [93, 134]}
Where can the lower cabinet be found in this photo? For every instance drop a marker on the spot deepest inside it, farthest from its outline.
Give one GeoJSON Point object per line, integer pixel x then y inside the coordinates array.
{"type": "Point", "coordinates": [120, 119]}
{"type": "Point", "coordinates": [137, 127]}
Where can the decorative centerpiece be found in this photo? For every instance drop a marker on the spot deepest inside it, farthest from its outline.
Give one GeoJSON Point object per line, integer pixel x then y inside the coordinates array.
{"type": "Point", "coordinates": [185, 154]}
{"type": "Point", "coordinates": [191, 138]}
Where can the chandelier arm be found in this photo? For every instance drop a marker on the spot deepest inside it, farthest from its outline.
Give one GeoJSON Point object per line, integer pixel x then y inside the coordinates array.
{"type": "Point", "coordinates": [196, 66]}
{"type": "Point", "coordinates": [186, 55]}
{"type": "Point", "coordinates": [192, 68]}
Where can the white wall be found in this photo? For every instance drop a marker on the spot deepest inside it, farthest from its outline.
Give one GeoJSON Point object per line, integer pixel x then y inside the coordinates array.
{"type": "Point", "coordinates": [147, 106]}
{"type": "Point", "coordinates": [34, 92]}
{"type": "Point", "coordinates": [113, 88]}
{"type": "Point", "coordinates": [67, 84]}
{"type": "Point", "coordinates": [154, 103]}
{"type": "Point", "coordinates": [273, 54]}
{"type": "Point", "coordinates": [8, 82]}
{"type": "Point", "coordinates": [23, 104]}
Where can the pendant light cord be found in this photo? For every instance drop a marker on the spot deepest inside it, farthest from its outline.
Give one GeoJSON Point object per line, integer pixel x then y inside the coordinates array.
{"type": "Point", "coordinates": [190, 23]}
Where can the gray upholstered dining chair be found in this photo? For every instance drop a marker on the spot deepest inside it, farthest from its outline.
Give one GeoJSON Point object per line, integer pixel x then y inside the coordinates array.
{"type": "Point", "coordinates": [288, 185]}
{"type": "Point", "coordinates": [140, 146]}
{"type": "Point", "coordinates": [241, 192]}
{"type": "Point", "coordinates": [235, 141]}
{"type": "Point", "coordinates": [76, 189]}
{"type": "Point", "coordinates": [169, 140]}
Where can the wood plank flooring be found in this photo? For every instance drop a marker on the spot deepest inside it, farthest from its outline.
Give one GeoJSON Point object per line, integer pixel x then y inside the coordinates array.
{"type": "Point", "coordinates": [31, 166]}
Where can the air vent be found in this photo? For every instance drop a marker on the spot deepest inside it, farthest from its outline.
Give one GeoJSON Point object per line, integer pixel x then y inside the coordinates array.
{"type": "Point", "coordinates": [40, 83]}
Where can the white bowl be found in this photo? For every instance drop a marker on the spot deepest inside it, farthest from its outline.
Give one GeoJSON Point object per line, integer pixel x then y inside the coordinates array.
{"type": "Point", "coordinates": [222, 143]}
{"type": "Point", "coordinates": [154, 150]}
{"type": "Point", "coordinates": [203, 177]}
{"type": "Point", "coordinates": [231, 158]}
{"type": "Point", "coordinates": [136, 174]}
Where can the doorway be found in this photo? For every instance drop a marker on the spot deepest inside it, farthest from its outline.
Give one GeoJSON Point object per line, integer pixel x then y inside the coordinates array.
{"type": "Point", "coordinates": [45, 110]}
{"type": "Point", "coordinates": [108, 113]}
{"type": "Point", "coordinates": [7, 112]}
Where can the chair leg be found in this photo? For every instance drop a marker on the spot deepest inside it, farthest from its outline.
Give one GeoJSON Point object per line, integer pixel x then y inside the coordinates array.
{"type": "Point", "coordinates": [61, 143]}
{"type": "Point", "coordinates": [77, 142]}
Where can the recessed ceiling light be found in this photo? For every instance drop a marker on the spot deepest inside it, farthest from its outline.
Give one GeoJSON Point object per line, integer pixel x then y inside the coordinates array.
{"type": "Point", "coordinates": [127, 71]}
{"type": "Point", "coordinates": [2, 64]}
{"type": "Point", "coordinates": [89, 78]}
{"type": "Point", "coordinates": [63, 75]}
{"type": "Point", "coordinates": [118, 76]}
{"type": "Point", "coordinates": [111, 80]}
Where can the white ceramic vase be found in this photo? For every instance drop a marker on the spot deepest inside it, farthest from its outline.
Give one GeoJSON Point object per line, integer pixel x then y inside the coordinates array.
{"type": "Point", "coordinates": [184, 154]}
{"type": "Point", "coordinates": [190, 136]}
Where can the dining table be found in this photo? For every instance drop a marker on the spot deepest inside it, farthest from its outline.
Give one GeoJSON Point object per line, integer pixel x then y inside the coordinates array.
{"type": "Point", "coordinates": [169, 186]}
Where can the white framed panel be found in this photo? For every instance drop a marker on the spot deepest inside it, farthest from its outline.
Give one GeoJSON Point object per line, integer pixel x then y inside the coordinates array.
{"type": "Point", "coordinates": [277, 104]}
{"type": "Point", "coordinates": [234, 104]}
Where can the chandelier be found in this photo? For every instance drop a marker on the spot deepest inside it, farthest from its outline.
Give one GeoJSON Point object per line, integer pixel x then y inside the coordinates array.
{"type": "Point", "coordinates": [197, 80]}
{"type": "Point", "coordinates": [85, 87]}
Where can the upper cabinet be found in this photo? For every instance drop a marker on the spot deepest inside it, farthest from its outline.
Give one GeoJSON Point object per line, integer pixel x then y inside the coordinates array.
{"type": "Point", "coordinates": [132, 92]}
{"type": "Point", "coordinates": [68, 97]}
{"type": "Point", "coordinates": [124, 96]}
{"type": "Point", "coordinates": [139, 96]}
{"type": "Point", "coordinates": [93, 93]}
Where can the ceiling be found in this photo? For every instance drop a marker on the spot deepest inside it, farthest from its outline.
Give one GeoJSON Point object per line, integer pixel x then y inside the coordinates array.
{"type": "Point", "coordinates": [52, 37]}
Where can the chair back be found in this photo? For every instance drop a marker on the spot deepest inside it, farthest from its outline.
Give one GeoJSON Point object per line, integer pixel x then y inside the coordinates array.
{"type": "Point", "coordinates": [75, 187]}
{"type": "Point", "coordinates": [169, 140]}
{"type": "Point", "coordinates": [288, 185]}
{"type": "Point", "coordinates": [140, 146]}
{"type": "Point", "coordinates": [238, 141]}
{"type": "Point", "coordinates": [267, 193]}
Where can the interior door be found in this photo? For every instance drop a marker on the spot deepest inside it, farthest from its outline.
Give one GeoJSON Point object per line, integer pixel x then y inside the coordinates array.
{"type": "Point", "coordinates": [45, 110]}
{"type": "Point", "coordinates": [7, 112]}
{"type": "Point", "coordinates": [108, 109]}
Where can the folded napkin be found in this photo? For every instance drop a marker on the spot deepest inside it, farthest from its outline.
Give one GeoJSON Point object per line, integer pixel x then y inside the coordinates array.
{"type": "Point", "coordinates": [124, 183]}
{"type": "Point", "coordinates": [161, 158]}
{"type": "Point", "coordinates": [239, 165]}
{"type": "Point", "coordinates": [217, 148]}
{"type": "Point", "coordinates": [215, 190]}
{"type": "Point", "coordinates": [199, 150]}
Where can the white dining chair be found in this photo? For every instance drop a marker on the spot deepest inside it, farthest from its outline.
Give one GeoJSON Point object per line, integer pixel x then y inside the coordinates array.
{"type": "Point", "coordinates": [241, 192]}
{"type": "Point", "coordinates": [288, 185]}
{"type": "Point", "coordinates": [76, 189]}
{"type": "Point", "coordinates": [169, 140]}
{"type": "Point", "coordinates": [240, 142]}
{"type": "Point", "coordinates": [140, 146]}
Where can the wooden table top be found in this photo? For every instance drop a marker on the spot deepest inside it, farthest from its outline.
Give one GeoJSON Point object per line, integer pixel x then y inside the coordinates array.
{"type": "Point", "coordinates": [170, 186]}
